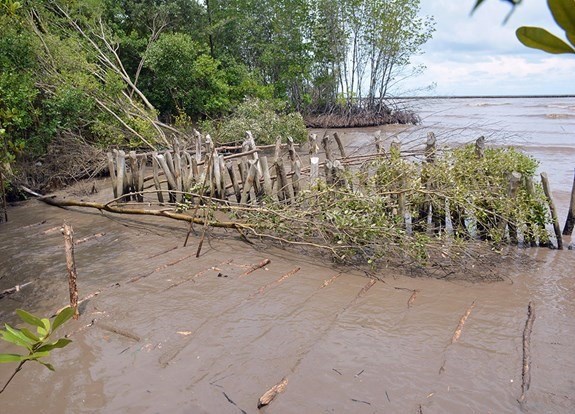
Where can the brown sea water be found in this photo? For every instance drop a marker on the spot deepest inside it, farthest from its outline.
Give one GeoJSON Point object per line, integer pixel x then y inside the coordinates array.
{"type": "Point", "coordinates": [199, 335]}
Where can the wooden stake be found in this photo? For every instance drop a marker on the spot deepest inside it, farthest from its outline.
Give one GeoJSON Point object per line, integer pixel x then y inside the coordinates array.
{"type": "Point", "coordinates": [155, 168]}
{"type": "Point", "coordinates": [570, 222]}
{"type": "Point", "coordinates": [68, 233]}
{"type": "Point", "coordinates": [547, 190]}
{"type": "Point", "coordinates": [267, 178]}
{"type": "Point", "coordinates": [339, 144]}
{"type": "Point", "coordinates": [526, 366]}
{"type": "Point", "coordinates": [112, 169]}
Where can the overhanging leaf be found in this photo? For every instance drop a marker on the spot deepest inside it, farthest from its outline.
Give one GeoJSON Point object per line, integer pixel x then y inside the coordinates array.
{"type": "Point", "coordinates": [10, 358]}
{"type": "Point", "coordinates": [62, 317]}
{"type": "Point", "coordinates": [564, 14]}
{"type": "Point", "coordinates": [538, 38]}
{"type": "Point", "coordinates": [29, 318]}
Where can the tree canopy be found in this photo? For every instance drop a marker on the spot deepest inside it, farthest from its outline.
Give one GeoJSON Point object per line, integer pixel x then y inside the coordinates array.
{"type": "Point", "coordinates": [120, 72]}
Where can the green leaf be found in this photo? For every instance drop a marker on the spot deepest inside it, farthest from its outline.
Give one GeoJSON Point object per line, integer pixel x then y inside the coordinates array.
{"type": "Point", "coordinates": [29, 318]}
{"type": "Point", "coordinates": [36, 355]}
{"type": "Point", "coordinates": [62, 317]}
{"type": "Point", "coordinates": [16, 337]}
{"type": "Point", "coordinates": [564, 14]}
{"type": "Point", "coordinates": [10, 358]}
{"type": "Point", "coordinates": [60, 343]}
{"type": "Point", "coordinates": [538, 38]}
{"type": "Point", "coordinates": [30, 335]}
{"type": "Point", "coordinates": [42, 332]}
{"type": "Point", "coordinates": [46, 323]}
{"type": "Point", "coordinates": [47, 365]}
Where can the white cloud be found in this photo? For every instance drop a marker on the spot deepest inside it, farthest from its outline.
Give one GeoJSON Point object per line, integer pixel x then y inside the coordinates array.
{"type": "Point", "coordinates": [479, 55]}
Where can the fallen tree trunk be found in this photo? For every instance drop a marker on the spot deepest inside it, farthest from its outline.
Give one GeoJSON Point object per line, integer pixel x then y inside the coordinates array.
{"type": "Point", "coordinates": [140, 211]}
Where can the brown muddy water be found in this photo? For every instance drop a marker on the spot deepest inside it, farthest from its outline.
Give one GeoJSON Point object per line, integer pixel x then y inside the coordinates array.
{"type": "Point", "coordinates": [199, 335]}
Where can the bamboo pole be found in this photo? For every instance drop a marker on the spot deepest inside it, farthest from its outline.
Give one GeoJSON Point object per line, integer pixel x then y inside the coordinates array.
{"type": "Point", "coordinates": [570, 221]}
{"type": "Point", "coordinates": [547, 190]}
{"type": "Point", "coordinates": [68, 233]}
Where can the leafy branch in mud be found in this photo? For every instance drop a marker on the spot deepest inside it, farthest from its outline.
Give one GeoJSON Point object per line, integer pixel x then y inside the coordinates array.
{"type": "Point", "coordinates": [37, 344]}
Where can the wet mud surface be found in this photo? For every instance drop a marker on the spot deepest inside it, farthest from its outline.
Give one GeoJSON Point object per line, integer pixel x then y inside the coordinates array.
{"type": "Point", "coordinates": [169, 332]}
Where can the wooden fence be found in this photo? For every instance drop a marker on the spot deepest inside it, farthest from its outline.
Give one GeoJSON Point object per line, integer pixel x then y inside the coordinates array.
{"type": "Point", "coordinates": [247, 174]}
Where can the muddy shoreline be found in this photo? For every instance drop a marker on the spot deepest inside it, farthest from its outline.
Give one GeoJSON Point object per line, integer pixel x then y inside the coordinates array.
{"type": "Point", "coordinates": [201, 335]}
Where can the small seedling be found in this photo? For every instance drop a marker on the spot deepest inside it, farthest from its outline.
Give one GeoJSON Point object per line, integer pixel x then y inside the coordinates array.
{"type": "Point", "coordinates": [37, 344]}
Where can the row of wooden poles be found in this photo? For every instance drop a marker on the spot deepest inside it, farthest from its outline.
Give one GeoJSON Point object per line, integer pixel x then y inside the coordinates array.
{"type": "Point", "coordinates": [239, 174]}
{"type": "Point", "coordinates": [244, 174]}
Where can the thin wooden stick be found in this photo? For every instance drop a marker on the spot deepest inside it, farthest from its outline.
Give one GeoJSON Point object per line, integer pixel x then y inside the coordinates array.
{"type": "Point", "coordinates": [252, 269]}
{"type": "Point", "coordinates": [68, 233]}
{"type": "Point", "coordinates": [526, 367]}
{"type": "Point", "coordinates": [277, 282]}
{"type": "Point", "coordinates": [459, 328]}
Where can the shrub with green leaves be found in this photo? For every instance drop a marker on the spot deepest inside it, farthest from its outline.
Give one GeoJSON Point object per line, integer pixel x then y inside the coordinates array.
{"type": "Point", "coordinates": [37, 344]}
{"type": "Point", "coordinates": [266, 119]}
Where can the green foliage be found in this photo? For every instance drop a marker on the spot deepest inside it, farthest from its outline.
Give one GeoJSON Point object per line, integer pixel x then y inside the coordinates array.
{"type": "Point", "coordinates": [362, 221]}
{"type": "Point", "coordinates": [185, 77]}
{"type": "Point", "coordinates": [563, 12]}
{"type": "Point", "coordinates": [264, 118]}
{"type": "Point", "coordinates": [37, 344]}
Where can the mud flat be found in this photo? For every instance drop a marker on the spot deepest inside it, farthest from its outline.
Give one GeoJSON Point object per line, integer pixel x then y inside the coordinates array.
{"type": "Point", "coordinates": [170, 332]}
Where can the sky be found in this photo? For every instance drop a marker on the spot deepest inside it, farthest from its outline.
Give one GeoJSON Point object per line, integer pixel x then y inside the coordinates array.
{"type": "Point", "coordinates": [479, 55]}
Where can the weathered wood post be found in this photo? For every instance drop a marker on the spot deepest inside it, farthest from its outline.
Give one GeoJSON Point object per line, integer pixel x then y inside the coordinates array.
{"type": "Point", "coordinates": [339, 144]}
{"type": "Point", "coordinates": [112, 169]}
{"type": "Point", "coordinates": [121, 179]}
{"type": "Point", "coordinates": [547, 190]}
{"type": "Point", "coordinates": [529, 234]}
{"type": "Point", "coordinates": [570, 222]}
{"type": "Point", "coordinates": [233, 178]}
{"type": "Point", "coordinates": [295, 167]}
{"type": "Point", "coordinates": [480, 147]}
{"type": "Point", "coordinates": [267, 178]}
{"type": "Point", "coordinates": [71, 266]}
{"type": "Point", "coordinates": [420, 224]}
{"type": "Point", "coordinates": [156, 172]}
{"type": "Point", "coordinates": [313, 160]}
{"type": "Point", "coordinates": [169, 176]}
{"type": "Point", "coordinates": [512, 188]}
{"type": "Point", "coordinates": [378, 143]}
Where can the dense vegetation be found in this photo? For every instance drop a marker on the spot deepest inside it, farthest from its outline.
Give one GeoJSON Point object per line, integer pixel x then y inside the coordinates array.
{"type": "Point", "coordinates": [123, 73]}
